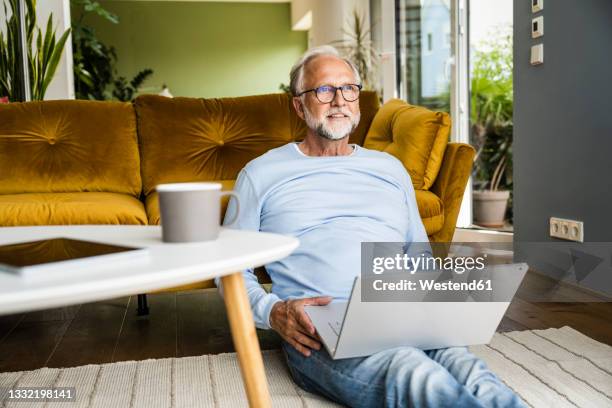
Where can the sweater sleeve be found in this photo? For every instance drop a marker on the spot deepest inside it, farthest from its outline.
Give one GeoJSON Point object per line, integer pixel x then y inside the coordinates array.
{"type": "Point", "coordinates": [249, 219]}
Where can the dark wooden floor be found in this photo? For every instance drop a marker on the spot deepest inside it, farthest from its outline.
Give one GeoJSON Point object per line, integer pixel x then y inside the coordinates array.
{"type": "Point", "coordinates": [194, 323]}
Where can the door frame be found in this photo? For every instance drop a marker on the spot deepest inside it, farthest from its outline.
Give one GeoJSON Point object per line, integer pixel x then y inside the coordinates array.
{"type": "Point", "coordinates": [460, 87]}
{"type": "Point", "coordinates": [460, 94]}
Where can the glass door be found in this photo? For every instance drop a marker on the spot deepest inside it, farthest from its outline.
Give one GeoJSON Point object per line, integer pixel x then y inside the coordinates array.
{"type": "Point", "coordinates": [425, 52]}
{"type": "Point", "coordinates": [432, 66]}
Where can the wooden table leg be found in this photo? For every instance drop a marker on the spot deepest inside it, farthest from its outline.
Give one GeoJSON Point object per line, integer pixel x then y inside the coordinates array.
{"type": "Point", "coordinates": [245, 340]}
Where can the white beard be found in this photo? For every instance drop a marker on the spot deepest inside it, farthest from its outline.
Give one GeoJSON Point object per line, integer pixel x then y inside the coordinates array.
{"type": "Point", "coordinates": [335, 132]}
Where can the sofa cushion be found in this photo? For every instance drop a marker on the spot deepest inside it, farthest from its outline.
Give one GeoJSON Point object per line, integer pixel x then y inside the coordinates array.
{"type": "Point", "coordinates": [431, 210]}
{"type": "Point", "coordinates": [152, 202]}
{"type": "Point", "coordinates": [189, 139]}
{"type": "Point", "coordinates": [69, 146]}
{"type": "Point", "coordinates": [413, 134]}
{"type": "Point", "coordinates": [70, 208]}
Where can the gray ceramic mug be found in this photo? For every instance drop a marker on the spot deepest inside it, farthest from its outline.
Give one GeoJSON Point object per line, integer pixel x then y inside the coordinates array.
{"type": "Point", "coordinates": [190, 212]}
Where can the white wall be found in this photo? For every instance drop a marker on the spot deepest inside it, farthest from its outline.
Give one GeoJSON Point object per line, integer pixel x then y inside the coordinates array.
{"type": "Point", "coordinates": [62, 86]}
{"type": "Point", "coordinates": [328, 18]}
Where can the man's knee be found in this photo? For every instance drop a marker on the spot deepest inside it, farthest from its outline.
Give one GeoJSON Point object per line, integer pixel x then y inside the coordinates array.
{"type": "Point", "coordinates": [406, 362]}
{"type": "Point", "coordinates": [447, 355]}
{"type": "Point", "coordinates": [467, 368]}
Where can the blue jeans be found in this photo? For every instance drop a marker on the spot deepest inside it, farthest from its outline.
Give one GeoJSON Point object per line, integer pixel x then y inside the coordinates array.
{"type": "Point", "coordinates": [402, 377]}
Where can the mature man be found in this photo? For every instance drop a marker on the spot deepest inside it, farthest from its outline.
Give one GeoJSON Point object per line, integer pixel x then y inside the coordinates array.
{"type": "Point", "coordinates": [332, 196]}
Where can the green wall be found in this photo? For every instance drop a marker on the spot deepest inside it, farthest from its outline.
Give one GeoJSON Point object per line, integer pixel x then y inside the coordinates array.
{"type": "Point", "coordinates": [204, 49]}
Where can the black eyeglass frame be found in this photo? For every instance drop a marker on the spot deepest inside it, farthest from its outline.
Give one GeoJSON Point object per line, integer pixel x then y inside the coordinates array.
{"type": "Point", "coordinates": [335, 88]}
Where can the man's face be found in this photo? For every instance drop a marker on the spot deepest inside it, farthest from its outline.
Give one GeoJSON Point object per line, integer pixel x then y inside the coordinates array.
{"type": "Point", "coordinates": [334, 120]}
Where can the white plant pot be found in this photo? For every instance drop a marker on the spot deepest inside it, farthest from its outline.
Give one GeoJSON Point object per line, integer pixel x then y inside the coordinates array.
{"type": "Point", "coordinates": [490, 207]}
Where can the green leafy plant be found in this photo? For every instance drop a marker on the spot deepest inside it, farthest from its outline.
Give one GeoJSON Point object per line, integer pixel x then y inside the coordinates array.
{"type": "Point", "coordinates": [491, 113]}
{"type": "Point", "coordinates": [359, 49]}
{"type": "Point", "coordinates": [95, 75]}
{"type": "Point", "coordinates": [11, 74]}
{"type": "Point", "coordinates": [284, 88]}
{"type": "Point", "coordinates": [43, 56]}
{"type": "Point", "coordinates": [125, 91]}
{"type": "Point", "coordinates": [93, 61]}
{"type": "Point", "coordinates": [494, 164]}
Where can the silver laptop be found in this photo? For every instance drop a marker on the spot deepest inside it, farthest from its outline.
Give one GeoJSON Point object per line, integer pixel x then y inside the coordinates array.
{"type": "Point", "coordinates": [356, 328]}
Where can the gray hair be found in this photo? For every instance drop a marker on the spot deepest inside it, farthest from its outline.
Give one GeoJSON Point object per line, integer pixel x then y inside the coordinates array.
{"type": "Point", "coordinates": [296, 77]}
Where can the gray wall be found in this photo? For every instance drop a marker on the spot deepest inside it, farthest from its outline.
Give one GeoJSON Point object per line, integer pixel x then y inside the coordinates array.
{"type": "Point", "coordinates": [563, 123]}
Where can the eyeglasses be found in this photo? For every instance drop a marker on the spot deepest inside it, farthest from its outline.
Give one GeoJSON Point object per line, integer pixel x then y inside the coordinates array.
{"type": "Point", "coordinates": [327, 93]}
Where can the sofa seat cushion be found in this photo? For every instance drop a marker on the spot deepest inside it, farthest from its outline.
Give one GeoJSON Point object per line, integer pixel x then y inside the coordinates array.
{"type": "Point", "coordinates": [415, 135]}
{"type": "Point", "coordinates": [70, 208]}
{"type": "Point", "coordinates": [152, 202]}
{"type": "Point", "coordinates": [431, 211]}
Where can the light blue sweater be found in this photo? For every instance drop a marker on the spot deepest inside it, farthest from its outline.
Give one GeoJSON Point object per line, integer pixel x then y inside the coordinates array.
{"type": "Point", "coordinates": [331, 204]}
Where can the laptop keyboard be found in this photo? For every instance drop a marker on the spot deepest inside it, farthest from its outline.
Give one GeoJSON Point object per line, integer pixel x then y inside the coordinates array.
{"type": "Point", "coordinates": [335, 326]}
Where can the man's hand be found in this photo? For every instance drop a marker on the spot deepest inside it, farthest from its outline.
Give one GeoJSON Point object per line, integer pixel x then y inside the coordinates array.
{"type": "Point", "coordinates": [289, 319]}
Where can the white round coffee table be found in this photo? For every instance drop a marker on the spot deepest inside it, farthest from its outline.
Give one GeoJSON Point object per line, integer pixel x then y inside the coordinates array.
{"type": "Point", "coordinates": [168, 265]}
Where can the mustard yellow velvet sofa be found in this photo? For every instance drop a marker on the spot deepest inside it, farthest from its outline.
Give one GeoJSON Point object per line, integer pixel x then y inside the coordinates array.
{"type": "Point", "coordinates": [91, 162]}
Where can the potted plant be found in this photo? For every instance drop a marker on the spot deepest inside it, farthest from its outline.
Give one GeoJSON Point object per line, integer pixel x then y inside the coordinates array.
{"type": "Point", "coordinates": [358, 47]}
{"type": "Point", "coordinates": [493, 177]}
{"type": "Point", "coordinates": [492, 130]}
{"type": "Point", "coordinates": [43, 55]}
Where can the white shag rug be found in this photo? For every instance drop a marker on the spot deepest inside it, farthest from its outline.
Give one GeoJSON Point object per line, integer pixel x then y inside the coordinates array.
{"type": "Point", "coordinates": [547, 368]}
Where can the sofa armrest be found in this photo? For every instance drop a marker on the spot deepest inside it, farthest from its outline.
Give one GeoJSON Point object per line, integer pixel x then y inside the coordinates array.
{"type": "Point", "coordinates": [450, 186]}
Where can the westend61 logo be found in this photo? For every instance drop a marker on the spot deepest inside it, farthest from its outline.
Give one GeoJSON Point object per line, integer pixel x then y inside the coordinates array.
{"type": "Point", "coordinates": [437, 272]}
{"type": "Point", "coordinates": [411, 264]}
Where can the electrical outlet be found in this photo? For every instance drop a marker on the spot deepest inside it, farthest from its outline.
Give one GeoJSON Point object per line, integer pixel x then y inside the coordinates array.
{"type": "Point", "coordinates": [570, 230]}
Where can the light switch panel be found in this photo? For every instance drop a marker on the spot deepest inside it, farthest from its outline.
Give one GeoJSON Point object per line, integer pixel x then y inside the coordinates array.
{"type": "Point", "coordinates": [537, 5]}
{"type": "Point", "coordinates": [537, 54]}
{"type": "Point", "coordinates": [537, 27]}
